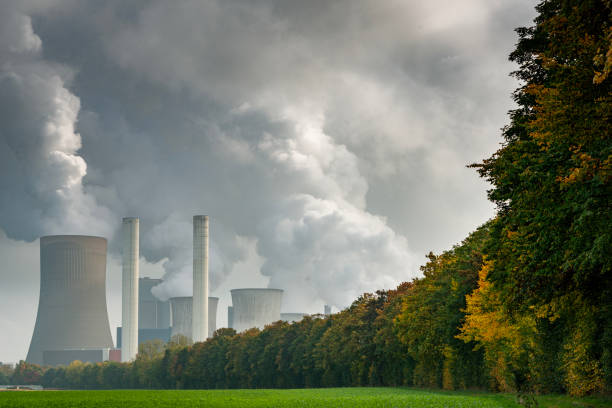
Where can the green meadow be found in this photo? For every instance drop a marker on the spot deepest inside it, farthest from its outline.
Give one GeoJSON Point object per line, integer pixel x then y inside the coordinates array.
{"type": "Point", "coordinates": [327, 397]}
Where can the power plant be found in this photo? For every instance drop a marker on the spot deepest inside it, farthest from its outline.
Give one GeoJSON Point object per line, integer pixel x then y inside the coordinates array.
{"type": "Point", "coordinates": [72, 320]}
{"type": "Point", "coordinates": [255, 307]}
{"type": "Point", "coordinates": [72, 316]}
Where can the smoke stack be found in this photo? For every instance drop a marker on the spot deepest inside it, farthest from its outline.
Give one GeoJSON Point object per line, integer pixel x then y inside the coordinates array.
{"type": "Point", "coordinates": [129, 304]}
{"type": "Point", "coordinates": [72, 304]}
{"type": "Point", "coordinates": [200, 278]}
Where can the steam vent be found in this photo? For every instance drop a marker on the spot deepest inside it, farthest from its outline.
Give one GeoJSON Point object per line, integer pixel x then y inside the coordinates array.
{"type": "Point", "coordinates": [72, 305]}
{"type": "Point", "coordinates": [255, 307]}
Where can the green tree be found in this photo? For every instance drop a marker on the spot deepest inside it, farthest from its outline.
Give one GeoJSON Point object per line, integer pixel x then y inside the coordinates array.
{"type": "Point", "coordinates": [551, 245]}
{"type": "Point", "coordinates": [433, 311]}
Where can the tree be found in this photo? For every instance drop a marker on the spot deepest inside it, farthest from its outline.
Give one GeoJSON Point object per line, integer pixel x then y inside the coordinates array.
{"type": "Point", "coordinates": [432, 313]}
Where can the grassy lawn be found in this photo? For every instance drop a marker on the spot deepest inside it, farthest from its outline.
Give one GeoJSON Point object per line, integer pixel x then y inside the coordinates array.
{"type": "Point", "coordinates": [328, 397]}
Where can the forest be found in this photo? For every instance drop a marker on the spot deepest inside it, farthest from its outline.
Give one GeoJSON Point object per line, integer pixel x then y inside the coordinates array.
{"type": "Point", "coordinates": [524, 303]}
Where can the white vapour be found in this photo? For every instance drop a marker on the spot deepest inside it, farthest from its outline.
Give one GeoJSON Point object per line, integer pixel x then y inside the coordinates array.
{"type": "Point", "coordinates": [41, 172]}
{"type": "Point", "coordinates": [292, 124]}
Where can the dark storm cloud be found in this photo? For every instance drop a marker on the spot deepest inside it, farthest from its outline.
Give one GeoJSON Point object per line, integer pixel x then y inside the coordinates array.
{"type": "Point", "coordinates": [327, 139]}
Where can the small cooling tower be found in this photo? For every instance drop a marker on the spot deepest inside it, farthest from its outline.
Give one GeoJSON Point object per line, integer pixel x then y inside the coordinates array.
{"type": "Point", "coordinates": [255, 307]}
{"type": "Point", "coordinates": [181, 315]}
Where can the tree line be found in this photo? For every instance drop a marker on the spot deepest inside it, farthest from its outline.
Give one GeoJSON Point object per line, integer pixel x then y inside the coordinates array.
{"type": "Point", "coordinates": [524, 303]}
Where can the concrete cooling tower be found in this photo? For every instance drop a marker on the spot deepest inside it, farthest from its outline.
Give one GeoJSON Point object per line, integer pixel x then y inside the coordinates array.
{"type": "Point", "coordinates": [72, 304]}
{"type": "Point", "coordinates": [255, 307]}
{"type": "Point", "coordinates": [182, 315]}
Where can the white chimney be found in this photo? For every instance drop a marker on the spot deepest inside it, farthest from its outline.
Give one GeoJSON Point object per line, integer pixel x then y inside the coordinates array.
{"type": "Point", "coordinates": [129, 304]}
{"type": "Point", "coordinates": [200, 278]}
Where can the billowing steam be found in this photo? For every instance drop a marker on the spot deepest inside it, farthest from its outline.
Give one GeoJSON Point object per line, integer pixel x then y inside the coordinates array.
{"type": "Point", "coordinates": [293, 125]}
{"type": "Point", "coordinates": [41, 172]}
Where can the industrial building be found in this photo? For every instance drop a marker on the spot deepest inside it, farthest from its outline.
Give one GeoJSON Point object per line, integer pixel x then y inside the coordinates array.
{"type": "Point", "coordinates": [255, 307]}
{"type": "Point", "coordinates": [152, 312]}
{"type": "Point", "coordinates": [72, 304]}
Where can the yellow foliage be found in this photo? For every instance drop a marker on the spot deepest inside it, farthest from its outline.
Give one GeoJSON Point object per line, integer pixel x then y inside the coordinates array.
{"type": "Point", "coordinates": [504, 341]}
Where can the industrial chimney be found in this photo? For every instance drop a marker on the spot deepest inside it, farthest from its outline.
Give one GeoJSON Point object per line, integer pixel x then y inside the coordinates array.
{"type": "Point", "coordinates": [200, 278]}
{"type": "Point", "coordinates": [129, 303]}
{"type": "Point", "coordinates": [72, 305]}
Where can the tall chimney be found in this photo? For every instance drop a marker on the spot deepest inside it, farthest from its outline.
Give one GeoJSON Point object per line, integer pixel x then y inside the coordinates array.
{"type": "Point", "coordinates": [129, 309]}
{"type": "Point", "coordinates": [200, 278]}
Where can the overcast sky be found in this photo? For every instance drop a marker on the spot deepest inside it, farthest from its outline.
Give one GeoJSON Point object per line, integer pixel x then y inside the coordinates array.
{"type": "Point", "coordinates": [327, 140]}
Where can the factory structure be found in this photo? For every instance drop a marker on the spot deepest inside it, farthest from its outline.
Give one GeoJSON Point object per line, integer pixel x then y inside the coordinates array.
{"type": "Point", "coordinates": [72, 321]}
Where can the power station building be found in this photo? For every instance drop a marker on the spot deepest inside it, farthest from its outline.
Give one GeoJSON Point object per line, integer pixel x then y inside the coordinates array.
{"type": "Point", "coordinates": [72, 312]}
{"type": "Point", "coordinates": [255, 307]}
{"type": "Point", "coordinates": [152, 312]}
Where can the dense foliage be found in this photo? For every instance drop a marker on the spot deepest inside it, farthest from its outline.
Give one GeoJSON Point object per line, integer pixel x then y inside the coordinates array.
{"type": "Point", "coordinates": [522, 304]}
{"type": "Point", "coordinates": [550, 250]}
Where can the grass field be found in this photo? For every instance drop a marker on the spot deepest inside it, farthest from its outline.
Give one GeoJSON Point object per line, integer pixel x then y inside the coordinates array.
{"type": "Point", "coordinates": [329, 397]}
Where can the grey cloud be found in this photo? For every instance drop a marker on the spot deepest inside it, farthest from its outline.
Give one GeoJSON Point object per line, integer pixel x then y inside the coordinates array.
{"type": "Point", "coordinates": [329, 136]}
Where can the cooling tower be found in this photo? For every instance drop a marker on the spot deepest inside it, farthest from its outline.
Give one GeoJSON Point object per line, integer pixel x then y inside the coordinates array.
{"type": "Point", "coordinates": [255, 307]}
{"type": "Point", "coordinates": [180, 317]}
{"type": "Point", "coordinates": [200, 278]}
{"type": "Point", "coordinates": [327, 310]}
{"type": "Point", "coordinates": [292, 317]}
{"type": "Point", "coordinates": [129, 288]}
{"type": "Point", "coordinates": [72, 304]}
{"type": "Point", "coordinates": [212, 315]}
